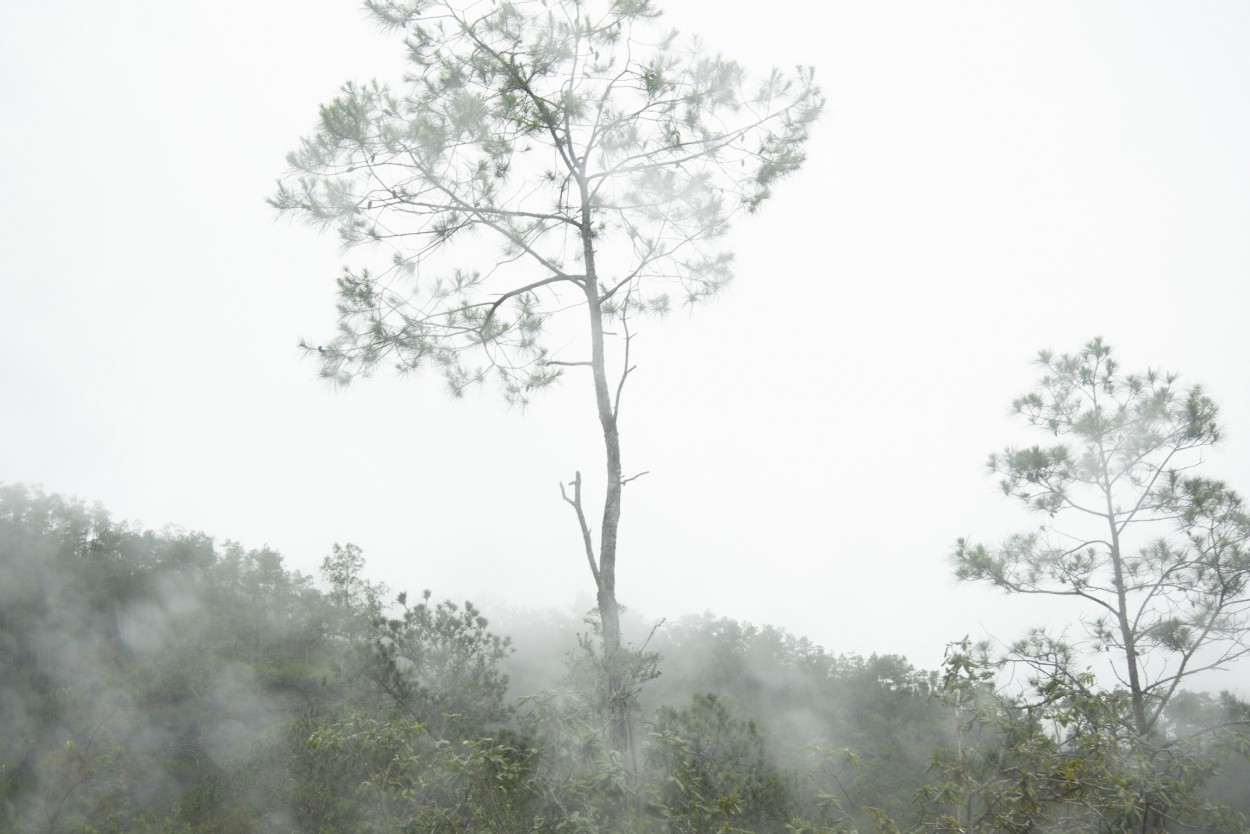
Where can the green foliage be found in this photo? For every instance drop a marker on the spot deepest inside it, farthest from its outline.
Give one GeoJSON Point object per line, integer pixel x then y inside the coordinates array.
{"type": "Point", "coordinates": [158, 682]}
{"type": "Point", "coordinates": [439, 665]}
{"type": "Point", "coordinates": [139, 668]}
{"type": "Point", "coordinates": [580, 783]}
{"type": "Point", "coordinates": [610, 681]}
{"type": "Point", "coordinates": [717, 774]}
{"type": "Point", "coordinates": [376, 774]}
{"type": "Point", "coordinates": [360, 773]}
{"type": "Point", "coordinates": [555, 135]}
{"type": "Point", "coordinates": [355, 602]}
{"type": "Point", "coordinates": [1159, 556]}
{"type": "Point", "coordinates": [1061, 758]}
{"type": "Point", "coordinates": [856, 732]}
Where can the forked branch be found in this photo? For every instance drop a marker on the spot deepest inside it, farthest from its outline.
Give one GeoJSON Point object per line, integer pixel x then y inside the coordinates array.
{"type": "Point", "coordinates": [576, 503]}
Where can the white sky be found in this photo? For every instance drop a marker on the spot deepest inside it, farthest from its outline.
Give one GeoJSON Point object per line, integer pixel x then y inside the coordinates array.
{"type": "Point", "coordinates": [989, 179]}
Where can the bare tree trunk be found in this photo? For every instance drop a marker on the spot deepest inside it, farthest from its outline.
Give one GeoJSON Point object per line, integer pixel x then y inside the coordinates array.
{"type": "Point", "coordinates": [605, 577]}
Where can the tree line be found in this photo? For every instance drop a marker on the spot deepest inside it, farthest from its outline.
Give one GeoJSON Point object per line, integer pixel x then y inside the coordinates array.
{"type": "Point", "coordinates": [160, 681]}
{"type": "Point", "coordinates": [163, 682]}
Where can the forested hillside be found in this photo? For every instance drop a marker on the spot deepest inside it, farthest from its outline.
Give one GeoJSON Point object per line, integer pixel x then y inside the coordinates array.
{"type": "Point", "coordinates": [163, 682]}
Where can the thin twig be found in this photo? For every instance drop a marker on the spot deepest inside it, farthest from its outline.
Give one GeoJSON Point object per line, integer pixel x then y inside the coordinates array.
{"type": "Point", "coordinates": [624, 481]}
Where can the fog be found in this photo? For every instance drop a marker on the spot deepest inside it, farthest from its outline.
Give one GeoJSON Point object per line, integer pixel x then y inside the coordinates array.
{"type": "Point", "coordinates": [986, 181]}
{"type": "Point", "coordinates": [158, 681]}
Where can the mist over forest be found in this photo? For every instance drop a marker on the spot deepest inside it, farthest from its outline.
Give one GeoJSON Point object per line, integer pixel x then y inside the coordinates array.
{"type": "Point", "coordinates": [162, 682]}
{"type": "Point", "coordinates": [530, 204]}
{"type": "Point", "coordinates": [165, 682]}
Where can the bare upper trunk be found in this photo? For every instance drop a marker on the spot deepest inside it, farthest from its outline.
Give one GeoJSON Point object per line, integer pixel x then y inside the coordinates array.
{"type": "Point", "coordinates": [609, 611]}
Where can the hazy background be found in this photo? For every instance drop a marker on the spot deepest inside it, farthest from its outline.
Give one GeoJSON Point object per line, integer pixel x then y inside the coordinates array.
{"type": "Point", "coordinates": [989, 179]}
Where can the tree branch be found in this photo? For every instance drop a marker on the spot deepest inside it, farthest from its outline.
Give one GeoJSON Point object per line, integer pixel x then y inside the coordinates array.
{"type": "Point", "coordinates": [576, 503]}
